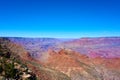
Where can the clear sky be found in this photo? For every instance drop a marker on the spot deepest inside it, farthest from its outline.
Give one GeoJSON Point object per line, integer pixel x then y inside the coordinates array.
{"type": "Point", "coordinates": [60, 18]}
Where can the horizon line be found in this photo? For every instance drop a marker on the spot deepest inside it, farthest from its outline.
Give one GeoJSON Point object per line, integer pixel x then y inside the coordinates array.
{"type": "Point", "coordinates": [59, 37]}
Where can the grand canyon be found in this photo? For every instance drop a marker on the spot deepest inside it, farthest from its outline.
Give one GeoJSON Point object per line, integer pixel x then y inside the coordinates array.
{"type": "Point", "coordinates": [63, 59]}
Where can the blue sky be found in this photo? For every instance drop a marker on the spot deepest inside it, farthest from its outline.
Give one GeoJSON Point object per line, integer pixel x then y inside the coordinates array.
{"type": "Point", "coordinates": [60, 18]}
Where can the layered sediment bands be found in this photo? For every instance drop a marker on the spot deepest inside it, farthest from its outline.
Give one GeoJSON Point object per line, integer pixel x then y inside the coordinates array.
{"type": "Point", "coordinates": [81, 59]}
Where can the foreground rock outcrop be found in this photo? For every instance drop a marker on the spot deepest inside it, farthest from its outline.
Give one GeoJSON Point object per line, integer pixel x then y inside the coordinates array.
{"type": "Point", "coordinates": [12, 68]}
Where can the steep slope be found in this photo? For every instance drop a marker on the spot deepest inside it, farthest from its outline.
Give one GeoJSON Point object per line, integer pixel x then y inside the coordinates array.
{"type": "Point", "coordinates": [11, 67]}
{"type": "Point", "coordinates": [81, 67]}
{"type": "Point", "coordinates": [20, 54]}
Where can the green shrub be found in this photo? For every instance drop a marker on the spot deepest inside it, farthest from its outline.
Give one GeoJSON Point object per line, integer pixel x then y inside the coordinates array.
{"type": "Point", "coordinates": [10, 71]}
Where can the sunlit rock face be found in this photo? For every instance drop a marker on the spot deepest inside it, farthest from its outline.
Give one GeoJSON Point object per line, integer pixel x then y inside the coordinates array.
{"type": "Point", "coordinates": [73, 59]}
